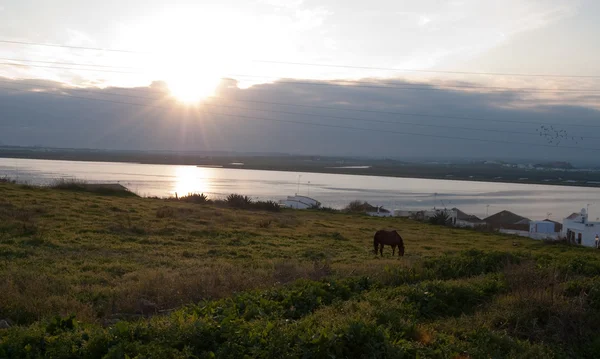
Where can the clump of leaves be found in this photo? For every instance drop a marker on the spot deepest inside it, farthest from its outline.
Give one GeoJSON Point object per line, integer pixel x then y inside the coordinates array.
{"type": "Point", "coordinates": [441, 219]}
{"type": "Point", "coordinates": [360, 206]}
{"type": "Point", "coordinates": [238, 201]}
{"type": "Point", "coordinates": [195, 198]}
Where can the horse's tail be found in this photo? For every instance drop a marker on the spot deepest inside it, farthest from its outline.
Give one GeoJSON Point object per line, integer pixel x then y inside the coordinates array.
{"type": "Point", "coordinates": [401, 246]}
{"type": "Point", "coordinates": [375, 242]}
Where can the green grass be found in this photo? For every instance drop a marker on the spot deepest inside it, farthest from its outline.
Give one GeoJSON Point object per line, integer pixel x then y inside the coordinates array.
{"type": "Point", "coordinates": [100, 276]}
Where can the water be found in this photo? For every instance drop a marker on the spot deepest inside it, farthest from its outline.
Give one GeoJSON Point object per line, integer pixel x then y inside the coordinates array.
{"type": "Point", "coordinates": [334, 190]}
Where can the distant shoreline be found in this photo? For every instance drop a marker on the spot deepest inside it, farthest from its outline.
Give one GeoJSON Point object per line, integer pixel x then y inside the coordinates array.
{"type": "Point", "coordinates": [300, 164]}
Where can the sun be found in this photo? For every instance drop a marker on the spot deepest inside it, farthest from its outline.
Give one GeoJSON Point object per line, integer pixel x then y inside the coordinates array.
{"type": "Point", "coordinates": [191, 49]}
{"type": "Point", "coordinates": [190, 89]}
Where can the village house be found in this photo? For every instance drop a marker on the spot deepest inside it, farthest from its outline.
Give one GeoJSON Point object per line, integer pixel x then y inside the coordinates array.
{"type": "Point", "coordinates": [462, 219]}
{"type": "Point", "coordinates": [545, 229]}
{"type": "Point", "coordinates": [380, 212]}
{"type": "Point", "coordinates": [578, 229]}
{"type": "Point", "coordinates": [506, 220]}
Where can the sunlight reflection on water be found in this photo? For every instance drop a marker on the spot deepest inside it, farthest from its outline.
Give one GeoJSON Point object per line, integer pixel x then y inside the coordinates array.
{"type": "Point", "coordinates": [533, 201]}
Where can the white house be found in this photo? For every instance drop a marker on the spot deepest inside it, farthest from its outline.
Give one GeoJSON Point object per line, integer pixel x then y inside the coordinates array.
{"type": "Point", "coordinates": [381, 212]}
{"type": "Point", "coordinates": [300, 202]}
{"type": "Point", "coordinates": [402, 213]}
{"type": "Point", "coordinates": [577, 229]}
{"type": "Point", "coordinates": [545, 229]}
{"type": "Point", "coordinates": [541, 227]}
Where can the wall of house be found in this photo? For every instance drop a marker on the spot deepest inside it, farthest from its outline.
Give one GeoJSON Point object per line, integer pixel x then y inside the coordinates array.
{"type": "Point", "coordinates": [541, 227]}
{"type": "Point", "coordinates": [380, 214]}
{"type": "Point", "coordinates": [463, 223]}
{"type": "Point", "coordinates": [532, 235]}
{"type": "Point", "coordinates": [588, 231]}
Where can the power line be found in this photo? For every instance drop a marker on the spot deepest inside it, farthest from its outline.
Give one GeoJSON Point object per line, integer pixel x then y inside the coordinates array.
{"type": "Point", "coordinates": [443, 86]}
{"type": "Point", "coordinates": [70, 47]}
{"type": "Point", "coordinates": [320, 124]}
{"type": "Point", "coordinates": [316, 64]}
{"type": "Point", "coordinates": [339, 83]}
{"type": "Point", "coordinates": [69, 63]}
{"type": "Point", "coordinates": [358, 83]}
{"type": "Point", "coordinates": [426, 71]}
{"type": "Point", "coordinates": [411, 114]}
{"type": "Point", "coordinates": [70, 68]}
{"type": "Point", "coordinates": [386, 122]}
{"type": "Point", "coordinates": [153, 98]}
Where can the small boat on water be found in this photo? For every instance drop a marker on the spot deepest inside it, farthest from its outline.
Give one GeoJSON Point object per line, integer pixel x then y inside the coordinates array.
{"type": "Point", "coordinates": [300, 202]}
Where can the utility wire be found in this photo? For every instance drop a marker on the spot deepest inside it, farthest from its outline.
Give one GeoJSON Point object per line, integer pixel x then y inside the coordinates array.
{"type": "Point", "coordinates": [410, 113]}
{"type": "Point", "coordinates": [155, 98]}
{"type": "Point", "coordinates": [321, 124]}
{"type": "Point", "coordinates": [70, 47]}
{"type": "Point", "coordinates": [70, 68]}
{"type": "Point", "coordinates": [68, 63]}
{"type": "Point", "coordinates": [314, 64]}
{"type": "Point", "coordinates": [349, 83]}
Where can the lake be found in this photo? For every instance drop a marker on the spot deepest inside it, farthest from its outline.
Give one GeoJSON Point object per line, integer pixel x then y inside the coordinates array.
{"type": "Point", "coordinates": [334, 190]}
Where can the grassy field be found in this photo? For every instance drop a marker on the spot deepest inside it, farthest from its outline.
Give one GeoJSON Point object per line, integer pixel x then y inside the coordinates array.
{"type": "Point", "coordinates": [88, 275]}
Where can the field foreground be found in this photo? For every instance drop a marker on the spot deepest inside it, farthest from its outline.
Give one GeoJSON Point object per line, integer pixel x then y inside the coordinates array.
{"type": "Point", "coordinates": [86, 275]}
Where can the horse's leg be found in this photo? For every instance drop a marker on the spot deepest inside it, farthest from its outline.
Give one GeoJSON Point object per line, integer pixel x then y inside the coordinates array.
{"type": "Point", "coordinates": [381, 249]}
{"type": "Point", "coordinates": [393, 249]}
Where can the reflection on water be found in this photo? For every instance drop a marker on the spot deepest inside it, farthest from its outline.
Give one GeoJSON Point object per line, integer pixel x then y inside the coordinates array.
{"type": "Point", "coordinates": [190, 179]}
{"type": "Point", "coordinates": [533, 201]}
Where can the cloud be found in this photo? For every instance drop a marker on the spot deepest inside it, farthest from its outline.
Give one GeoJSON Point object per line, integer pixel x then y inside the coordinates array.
{"type": "Point", "coordinates": [424, 20]}
{"type": "Point", "coordinates": [327, 120]}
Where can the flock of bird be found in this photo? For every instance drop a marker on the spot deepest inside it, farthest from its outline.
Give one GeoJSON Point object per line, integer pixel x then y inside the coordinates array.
{"type": "Point", "coordinates": [556, 136]}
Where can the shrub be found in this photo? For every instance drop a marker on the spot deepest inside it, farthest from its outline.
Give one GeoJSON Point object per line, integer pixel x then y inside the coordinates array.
{"type": "Point", "coordinates": [238, 201]}
{"type": "Point", "coordinates": [468, 263]}
{"type": "Point", "coordinates": [72, 184]}
{"type": "Point", "coordinates": [6, 179]}
{"type": "Point", "coordinates": [270, 206]}
{"type": "Point", "coordinates": [68, 184]}
{"type": "Point", "coordinates": [195, 198]}
{"type": "Point", "coordinates": [441, 219]}
{"type": "Point", "coordinates": [358, 206]}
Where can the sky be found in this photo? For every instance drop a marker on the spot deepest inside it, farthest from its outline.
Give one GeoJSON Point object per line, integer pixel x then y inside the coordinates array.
{"type": "Point", "coordinates": [356, 78]}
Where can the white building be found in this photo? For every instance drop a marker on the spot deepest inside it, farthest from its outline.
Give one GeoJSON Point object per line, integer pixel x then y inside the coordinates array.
{"type": "Point", "coordinates": [403, 213]}
{"type": "Point", "coordinates": [537, 230]}
{"type": "Point", "coordinates": [300, 202]}
{"type": "Point", "coordinates": [381, 212]}
{"type": "Point", "coordinates": [577, 229]}
{"type": "Point", "coordinates": [541, 227]}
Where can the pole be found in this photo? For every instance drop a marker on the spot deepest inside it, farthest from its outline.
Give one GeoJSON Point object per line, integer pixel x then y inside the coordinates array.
{"type": "Point", "coordinates": [487, 210]}
{"type": "Point", "coordinates": [298, 190]}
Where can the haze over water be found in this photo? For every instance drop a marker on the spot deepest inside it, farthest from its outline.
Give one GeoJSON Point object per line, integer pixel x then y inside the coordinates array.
{"type": "Point", "coordinates": [335, 190]}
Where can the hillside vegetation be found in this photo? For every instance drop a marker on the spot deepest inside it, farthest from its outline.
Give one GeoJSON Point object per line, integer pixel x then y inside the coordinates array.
{"type": "Point", "coordinates": [98, 275]}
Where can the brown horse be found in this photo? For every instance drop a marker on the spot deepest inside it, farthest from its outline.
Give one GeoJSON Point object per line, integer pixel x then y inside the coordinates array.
{"type": "Point", "coordinates": [391, 238]}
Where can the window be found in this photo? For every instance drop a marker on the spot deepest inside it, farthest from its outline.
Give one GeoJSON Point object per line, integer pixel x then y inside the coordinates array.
{"type": "Point", "coordinates": [578, 238]}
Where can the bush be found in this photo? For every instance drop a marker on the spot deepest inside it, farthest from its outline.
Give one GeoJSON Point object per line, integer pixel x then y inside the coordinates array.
{"type": "Point", "coordinates": [195, 198]}
{"type": "Point", "coordinates": [6, 179]}
{"type": "Point", "coordinates": [270, 206]}
{"type": "Point", "coordinates": [71, 184]}
{"type": "Point", "coordinates": [358, 206]}
{"type": "Point", "coordinates": [468, 263]}
{"type": "Point", "coordinates": [238, 201]}
{"type": "Point", "coordinates": [441, 219]}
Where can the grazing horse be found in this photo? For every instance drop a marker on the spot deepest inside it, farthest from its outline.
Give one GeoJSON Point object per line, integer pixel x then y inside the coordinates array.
{"type": "Point", "coordinates": [391, 238]}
